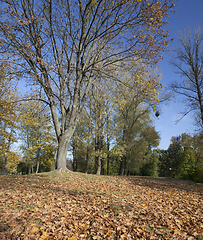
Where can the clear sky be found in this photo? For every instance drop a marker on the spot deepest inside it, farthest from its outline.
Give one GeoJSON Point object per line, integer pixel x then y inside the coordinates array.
{"type": "Point", "coordinates": [189, 14]}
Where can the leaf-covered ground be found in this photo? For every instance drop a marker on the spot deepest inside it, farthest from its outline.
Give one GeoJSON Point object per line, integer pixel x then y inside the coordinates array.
{"type": "Point", "coordinates": [80, 206]}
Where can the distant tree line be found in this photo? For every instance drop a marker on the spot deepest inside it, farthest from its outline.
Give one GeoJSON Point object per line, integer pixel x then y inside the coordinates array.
{"type": "Point", "coordinates": [182, 160]}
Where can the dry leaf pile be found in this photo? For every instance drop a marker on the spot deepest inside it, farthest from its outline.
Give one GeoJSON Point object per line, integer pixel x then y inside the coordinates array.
{"type": "Point", "coordinates": [80, 206]}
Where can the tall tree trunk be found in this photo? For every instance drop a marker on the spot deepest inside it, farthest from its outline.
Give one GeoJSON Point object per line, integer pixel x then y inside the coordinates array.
{"type": "Point", "coordinates": [98, 165]}
{"type": "Point", "coordinates": [108, 160]}
{"type": "Point", "coordinates": [29, 169]}
{"type": "Point", "coordinates": [62, 154]}
{"type": "Point", "coordinates": [89, 137]}
{"type": "Point", "coordinates": [123, 159]}
{"type": "Point", "coordinates": [98, 149]}
{"type": "Point", "coordinates": [3, 164]}
{"type": "Point", "coordinates": [108, 145]}
{"type": "Point", "coordinates": [108, 155]}
{"type": "Point", "coordinates": [63, 144]}
{"type": "Point", "coordinates": [199, 94]}
{"type": "Point", "coordinates": [37, 169]}
{"type": "Point", "coordinates": [38, 160]}
{"type": "Point", "coordinates": [201, 107]}
{"type": "Point", "coordinates": [87, 159]}
{"type": "Point", "coordinates": [126, 168]}
{"type": "Point", "coordinates": [75, 163]}
{"type": "Point", "coordinates": [75, 155]}
{"type": "Point", "coordinates": [122, 168]}
{"type": "Point", "coordinates": [102, 166]}
{"type": "Point", "coordinates": [64, 133]}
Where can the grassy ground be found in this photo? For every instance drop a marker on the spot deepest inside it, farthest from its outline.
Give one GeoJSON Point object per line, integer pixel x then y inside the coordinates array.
{"type": "Point", "coordinates": [80, 206]}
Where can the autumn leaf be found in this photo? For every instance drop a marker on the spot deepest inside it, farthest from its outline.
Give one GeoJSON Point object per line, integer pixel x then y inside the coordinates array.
{"type": "Point", "coordinates": [55, 206]}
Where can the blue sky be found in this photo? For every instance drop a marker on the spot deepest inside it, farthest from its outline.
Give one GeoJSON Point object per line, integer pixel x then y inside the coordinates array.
{"type": "Point", "coordinates": [189, 14]}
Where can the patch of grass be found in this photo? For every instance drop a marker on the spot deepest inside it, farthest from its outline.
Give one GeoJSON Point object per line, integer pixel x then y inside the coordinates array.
{"type": "Point", "coordinates": [76, 203]}
{"type": "Point", "coordinates": [29, 207]}
{"type": "Point", "coordinates": [148, 228]}
{"type": "Point", "coordinates": [162, 230]}
{"type": "Point", "coordinates": [116, 208]}
{"type": "Point", "coordinates": [38, 220]}
{"type": "Point", "coordinates": [2, 211]}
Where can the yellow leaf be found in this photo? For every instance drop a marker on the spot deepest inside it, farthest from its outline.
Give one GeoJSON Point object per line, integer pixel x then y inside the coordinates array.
{"type": "Point", "coordinates": [44, 235]}
{"type": "Point", "coordinates": [34, 229]}
{"type": "Point", "coordinates": [72, 238]}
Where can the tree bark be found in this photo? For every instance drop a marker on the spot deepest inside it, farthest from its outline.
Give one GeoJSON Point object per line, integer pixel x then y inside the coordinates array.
{"type": "Point", "coordinates": [123, 159]}
{"type": "Point", "coordinates": [61, 155]}
{"type": "Point", "coordinates": [108, 155]}
{"type": "Point", "coordinates": [98, 165]}
{"type": "Point", "coordinates": [3, 164]}
{"type": "Point", "coordinates": [63, 144]}
{"type": "Point", "coordinates": [75, 155]}
{"type": "Point", "coordinates": [38, 160]}
{"type": "Point", "coordinates": [200, 102]}
{"type": "Point", "coordinates": [37, 169]}
{"type": "Point", "coordinates": [122, 169]}
{"type": "Point", "coordinates": [87, 159]}
{"type": "Point", "coordinates": [29, 169]}
{"type": "Point", "coordinates": [98, 149]}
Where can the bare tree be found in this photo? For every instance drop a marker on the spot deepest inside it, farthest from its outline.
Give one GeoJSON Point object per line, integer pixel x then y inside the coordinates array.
{"type": "Point", "coordinates": [188, 62]}
{"type": "Point", "coordinates": [64, 45]}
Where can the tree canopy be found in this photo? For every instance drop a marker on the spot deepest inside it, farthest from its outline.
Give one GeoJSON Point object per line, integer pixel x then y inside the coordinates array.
{"type": "Point", "coordinates": [62, 47]}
